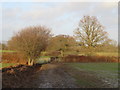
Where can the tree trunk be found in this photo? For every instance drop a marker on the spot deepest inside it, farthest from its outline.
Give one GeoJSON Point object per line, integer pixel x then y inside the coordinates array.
{"type": "Point", "coordinates": [30, 61]}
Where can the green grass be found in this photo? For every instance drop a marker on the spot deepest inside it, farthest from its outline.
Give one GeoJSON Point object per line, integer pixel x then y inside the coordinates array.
{"type": "Point", "coordinates": [2, 65]}
{"type": "Point", "coordinates": [103, 70]}
{"type": "Point", "coordinates": [110, 67]}
{"type": "Point", "coordinates": [7, 51]}
{"type": "Point", "coordinates": [43, 59]}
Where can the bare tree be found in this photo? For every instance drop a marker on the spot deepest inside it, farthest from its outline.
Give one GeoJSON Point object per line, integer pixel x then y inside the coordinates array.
{"type": "Point", "coordinates": [31, 42]}
{"type": "Point", "coordinates": [90, 32]}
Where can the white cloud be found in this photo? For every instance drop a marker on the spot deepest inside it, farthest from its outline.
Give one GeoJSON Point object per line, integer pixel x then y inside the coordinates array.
{"type": "Point", "coordinates": [61, 17]}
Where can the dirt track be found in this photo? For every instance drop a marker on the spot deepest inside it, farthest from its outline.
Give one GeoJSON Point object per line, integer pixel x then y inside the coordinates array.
{"type": "Point", "coordinates": [50, 76]}
{"type": "Point", "coordinates": [53, 76]}
{"type": "Point", "coordinates": [47, 76]}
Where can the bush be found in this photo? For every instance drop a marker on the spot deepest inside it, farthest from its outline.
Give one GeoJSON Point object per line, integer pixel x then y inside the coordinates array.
{"type": "Point", "coordinates": [13, 58]}
{"type": "Point", "coordinates": [75, 58]}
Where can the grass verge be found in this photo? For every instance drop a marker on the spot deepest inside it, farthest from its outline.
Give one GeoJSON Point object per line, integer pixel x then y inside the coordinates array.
{"type": "Point", "coordinates": [88, 74]}
{"type": "Point", "coordinates": [2, 65]}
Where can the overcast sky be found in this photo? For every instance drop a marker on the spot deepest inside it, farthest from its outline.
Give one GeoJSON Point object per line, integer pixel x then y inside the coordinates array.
{"type": "Point", "coordinates": [62, 17]}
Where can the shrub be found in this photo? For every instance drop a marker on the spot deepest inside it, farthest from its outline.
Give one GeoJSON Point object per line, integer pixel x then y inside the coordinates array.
{"type": "Point", "coordinates": [13, 58]}
{"type": "Point", "coordinates": [75, 58]}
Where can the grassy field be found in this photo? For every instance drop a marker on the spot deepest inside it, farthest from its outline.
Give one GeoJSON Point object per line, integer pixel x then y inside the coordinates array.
{"type": "Point", "coordinates": [2, 65]}
{"type": "Point", "coordinates": [108, 72]}
{"type": "Point", "coordinates": [107, 54]}
{"type": "Point", "coordinates": [7, 51]}
{"type": "Point", "coordinates": [109, 67]}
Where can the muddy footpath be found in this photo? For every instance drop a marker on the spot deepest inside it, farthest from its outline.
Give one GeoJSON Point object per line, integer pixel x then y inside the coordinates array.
{"type": "Point", "coordinates": [47, 76]}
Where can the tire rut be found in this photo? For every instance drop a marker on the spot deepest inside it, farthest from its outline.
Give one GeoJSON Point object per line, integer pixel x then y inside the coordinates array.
{"type": "Point", "coordinates": [53, 76]}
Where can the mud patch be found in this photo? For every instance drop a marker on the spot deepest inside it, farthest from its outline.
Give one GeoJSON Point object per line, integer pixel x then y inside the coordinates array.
{"type": "Point", "coordinates": [53, 76]}
{"type": "Point", "coordinates": [21, 76]}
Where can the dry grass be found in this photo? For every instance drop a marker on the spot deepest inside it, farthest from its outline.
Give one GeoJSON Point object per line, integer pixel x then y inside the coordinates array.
{"type": "Point", "coordinates": [13, 58]}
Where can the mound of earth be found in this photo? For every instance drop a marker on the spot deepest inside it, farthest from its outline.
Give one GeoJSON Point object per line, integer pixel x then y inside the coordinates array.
{"type": "Point", "coordinates": [21, 76]}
